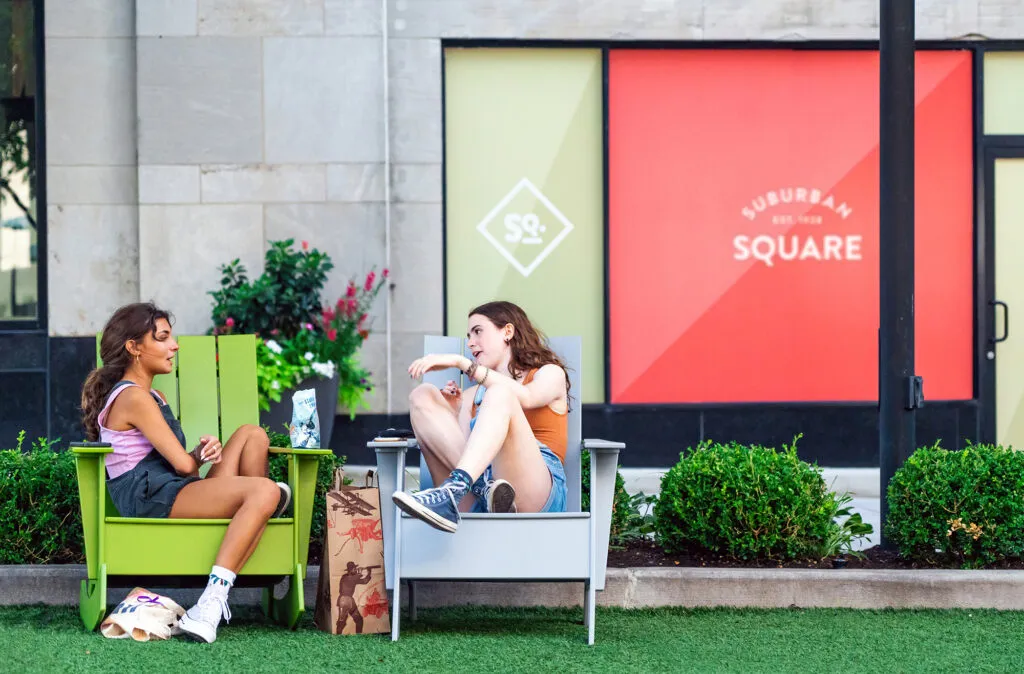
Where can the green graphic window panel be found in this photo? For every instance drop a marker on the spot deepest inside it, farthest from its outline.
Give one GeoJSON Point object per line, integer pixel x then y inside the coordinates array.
{"type": "Point", "coordinates": [524, 197]}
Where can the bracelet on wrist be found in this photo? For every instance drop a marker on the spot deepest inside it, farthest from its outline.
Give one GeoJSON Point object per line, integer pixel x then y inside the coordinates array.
{"type": "Point", "coordinates": [471, 370]}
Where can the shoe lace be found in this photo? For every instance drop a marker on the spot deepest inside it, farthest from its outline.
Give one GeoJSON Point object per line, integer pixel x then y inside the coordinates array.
{"type": "Point", "coordinates": [435, 496]}
{"type": "Point", "coordinates": [212, 607]}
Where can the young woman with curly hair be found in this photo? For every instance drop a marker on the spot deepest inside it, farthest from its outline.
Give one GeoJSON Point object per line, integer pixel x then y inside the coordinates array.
{"type": "Point", "coordinates": [499, 446]}
{"type": "Point", "coordinates": [150, 473]}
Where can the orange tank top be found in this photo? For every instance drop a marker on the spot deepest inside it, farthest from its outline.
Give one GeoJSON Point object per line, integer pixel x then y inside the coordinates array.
{"type": "Point", "coordinates": [549, 427]}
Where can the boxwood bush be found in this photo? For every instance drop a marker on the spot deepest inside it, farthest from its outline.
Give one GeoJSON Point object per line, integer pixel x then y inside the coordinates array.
{"type": "Point", "coordinates": [324, 478]}
{"type": "Point", "coordinates": [751, 502]}
{"type": "Point", "coordinates": [40, 521]}
{"type": "Point", "coordinates": [961, 508]}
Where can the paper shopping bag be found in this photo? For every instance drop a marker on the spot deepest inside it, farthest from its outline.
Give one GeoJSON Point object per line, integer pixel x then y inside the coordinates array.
{"type": "Point", "coordinates": [351, 597]}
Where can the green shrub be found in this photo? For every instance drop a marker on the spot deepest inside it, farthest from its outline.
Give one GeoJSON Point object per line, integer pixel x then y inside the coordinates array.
{"type": "Point", "coordinates": [324, 478]}
{"type": "Point", "coordinates": [631, 515]}
{"type": "Point", "coordinates": [751, 502]}
{"type": "Point", "coordinates": [958, 508]}
{"type": "Point", "coordinates": [40, 521]}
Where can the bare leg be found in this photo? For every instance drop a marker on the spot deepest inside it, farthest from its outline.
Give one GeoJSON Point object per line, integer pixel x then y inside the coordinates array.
{"type": "Point", "coordinates": [439, 435]}
{"type": "Point", "coordinates": [502, 437]}
{"type": "Point", "coordinates": [245, 453]}
{"type": "Point", "coordinates": [248, 501]}
{"type": "Point", "coordinates": [437, 430]}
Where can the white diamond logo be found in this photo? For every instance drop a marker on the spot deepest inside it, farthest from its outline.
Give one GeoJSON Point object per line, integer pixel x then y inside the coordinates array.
{"type": "Point", "coordinates": [525, 227]}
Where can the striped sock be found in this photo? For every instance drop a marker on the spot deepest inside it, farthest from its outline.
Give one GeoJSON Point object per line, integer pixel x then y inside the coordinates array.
{"type": "Point", "coordinates": [220, 576]}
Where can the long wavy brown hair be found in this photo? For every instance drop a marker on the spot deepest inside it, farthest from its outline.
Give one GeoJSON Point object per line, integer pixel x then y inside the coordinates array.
{"type": "Point", "coordinates": [528, 343]}
{"type": "Point", "coordinates": [130, 322]}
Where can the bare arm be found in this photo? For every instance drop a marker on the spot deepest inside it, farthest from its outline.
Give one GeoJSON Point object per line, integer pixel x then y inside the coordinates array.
{"type": "Point", "coordinates": [137, 408]}
{"type": "Point", "coordinates": [547, 386]}
{"type": "Point", "coordinates": [466, 411]}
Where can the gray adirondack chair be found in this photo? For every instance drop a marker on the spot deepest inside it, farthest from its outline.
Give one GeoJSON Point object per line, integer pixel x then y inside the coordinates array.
{"type": "Point", "coordinates": [569, 546]}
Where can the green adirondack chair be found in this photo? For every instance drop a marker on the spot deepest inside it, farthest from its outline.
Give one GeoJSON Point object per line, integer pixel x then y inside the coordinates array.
{"type": "Point", "coordinates": [212, 390]}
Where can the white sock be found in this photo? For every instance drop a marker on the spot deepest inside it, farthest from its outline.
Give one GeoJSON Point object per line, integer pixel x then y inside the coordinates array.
{"type": "Point", "coordinates": [221, 580]}
{"type": "Point", "coordinates": [221, 577]}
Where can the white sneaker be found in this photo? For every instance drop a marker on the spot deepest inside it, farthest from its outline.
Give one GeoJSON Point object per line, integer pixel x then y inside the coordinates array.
{"type": "Point", "coordinates": [200, 622]}
{"type": "Point", "coordinates": [286, 498]}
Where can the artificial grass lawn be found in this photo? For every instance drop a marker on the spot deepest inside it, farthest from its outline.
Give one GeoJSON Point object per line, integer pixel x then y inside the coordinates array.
{"type": "Point", "coordinates": [51, 639]}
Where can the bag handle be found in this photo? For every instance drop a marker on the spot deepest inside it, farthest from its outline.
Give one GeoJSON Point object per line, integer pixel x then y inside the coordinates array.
{"type": "Point", "coordinates": [370, 475]}
{"type": "Point", "coordinates": [339, 479]}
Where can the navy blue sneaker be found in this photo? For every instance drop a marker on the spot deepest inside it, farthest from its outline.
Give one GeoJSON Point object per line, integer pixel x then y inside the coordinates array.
{"type": "Point", "coordinates": [497, 496]}
{"type": "Point", "coordinates": [437, 507]}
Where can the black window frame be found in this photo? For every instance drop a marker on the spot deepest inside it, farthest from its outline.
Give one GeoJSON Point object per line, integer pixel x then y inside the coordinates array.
{"type": "Point", "coordinates": [40, 323]}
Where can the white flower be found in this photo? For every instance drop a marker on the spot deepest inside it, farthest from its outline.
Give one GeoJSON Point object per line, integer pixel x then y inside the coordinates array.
{"type": "Point", "coordinates": [325, 370]}
{"type": "Point", "coordinates": [275, 385]}
{"type": "Point", "coordinates": [274, 346]}
{"type": "Point", "coordinates": [308, 355]}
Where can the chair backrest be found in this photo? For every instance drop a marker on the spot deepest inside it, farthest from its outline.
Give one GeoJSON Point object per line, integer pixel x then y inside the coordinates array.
{"type": "Point", "coordinates": [569, 350]}
{"type": "Point", "coordinates": [212, 389]}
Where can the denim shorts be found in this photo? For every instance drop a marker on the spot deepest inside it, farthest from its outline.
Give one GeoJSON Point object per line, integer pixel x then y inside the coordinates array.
{"type": "Point", "coordinates": [557, 497]}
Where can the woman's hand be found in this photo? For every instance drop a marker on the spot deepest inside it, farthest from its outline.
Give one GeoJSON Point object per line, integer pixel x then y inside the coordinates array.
{"type": "Point", "coordinates": [452, 395]}
{"type": "Point", "coordinates": [426, 364]}
{"type": "Point", "coordinates": [208, 449]}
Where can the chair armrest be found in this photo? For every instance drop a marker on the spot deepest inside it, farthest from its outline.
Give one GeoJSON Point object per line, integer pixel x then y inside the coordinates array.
{"type": "Point", "coordinates": [392, 446]}
{"type": "Point", "coordinates": [300, 451]}
{"type": "Point", "coordinates": [390, 478]}
{"type": "Point", "coordinates": [596, 445]}
{"type": "Point", "coordinates": [604, 462]}
{"type": "Point", "coordinates": [86, 448]}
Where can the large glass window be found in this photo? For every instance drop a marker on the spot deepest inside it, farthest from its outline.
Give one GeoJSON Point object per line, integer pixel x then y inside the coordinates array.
{"type": "Point", "coordinates": [743, 225]}
{"type": "Point", "coordinates": [524, 197]}
{"type": "Point", "coordinates": [19, 224]}
{"type": "Point", "coordinates": [1004, 93]}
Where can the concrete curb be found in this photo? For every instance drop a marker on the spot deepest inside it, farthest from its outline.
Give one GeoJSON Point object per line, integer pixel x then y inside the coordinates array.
{"type": "Point", "coordinates": [626, 588]}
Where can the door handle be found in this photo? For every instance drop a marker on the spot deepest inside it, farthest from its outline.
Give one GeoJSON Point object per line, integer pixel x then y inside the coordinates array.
{"type": "Point", "coordinates": [1006, 321]}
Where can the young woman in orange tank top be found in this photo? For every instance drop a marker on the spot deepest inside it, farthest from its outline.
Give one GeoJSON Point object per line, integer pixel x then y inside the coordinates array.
{"type": "Point", "coordinates": [499, 445]}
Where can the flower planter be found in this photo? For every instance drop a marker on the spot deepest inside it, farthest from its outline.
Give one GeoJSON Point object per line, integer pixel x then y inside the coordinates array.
{"type": "Point", "coordinates": [280, 413]}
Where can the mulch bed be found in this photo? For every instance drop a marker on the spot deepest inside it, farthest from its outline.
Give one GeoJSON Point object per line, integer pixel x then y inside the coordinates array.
{"type": "Point", "coordinates": [638, 554]}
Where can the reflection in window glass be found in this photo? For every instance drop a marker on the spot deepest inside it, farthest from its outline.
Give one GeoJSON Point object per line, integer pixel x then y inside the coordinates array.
{"type": "Point", "coordinates": [19, 271]}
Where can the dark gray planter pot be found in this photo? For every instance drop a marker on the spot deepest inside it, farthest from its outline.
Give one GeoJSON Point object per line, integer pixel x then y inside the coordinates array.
{"type": "Point", "coordinates": [280, 414]}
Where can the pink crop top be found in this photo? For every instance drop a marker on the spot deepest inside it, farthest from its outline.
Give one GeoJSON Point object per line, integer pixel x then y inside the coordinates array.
{"type": "Point", "coordinates": [130, 447]}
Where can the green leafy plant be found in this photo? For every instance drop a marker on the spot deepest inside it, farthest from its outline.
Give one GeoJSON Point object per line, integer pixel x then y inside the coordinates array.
{"type": "Point", "coordinates": [324, 479]}
{"type": "Point", "coordinates": [298, 336]}
{"type": "Point", "coordinates": [40, 518]}
{"type": "Point", "coordinates": [747, 502]}
{"type": "Point", "coordinates": [960, 508]}
{"type": "Point", "coordinates": [842, 539]}
{"type": "Point", "coordinates": [632, 518]}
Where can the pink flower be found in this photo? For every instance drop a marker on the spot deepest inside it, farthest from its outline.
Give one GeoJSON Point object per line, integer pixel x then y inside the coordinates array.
{"type": "Point", "coordinates": [351, 308]}
{"type": "Point", "coordinates": [274, 332]}
{"type": "Point", "coordinates": [364, 333]}
{"type": "Point", "coordinates": [351, 292]}
{"type": "Point", "coordinates": [230, 322]}
{"type": "Point", "coordinates": [329, 315]}
{"type": "Point", "coordinates": [385, 273]}
{"type": "Point", "coordinates": [332, 334]}
{"type": "Point", "coordinates": [362, 318]}
{"type": "Point", "coordinates": [308, 326]}
{"type": "Point", "coordinates": [369, 281]}
{"type": "Point", "coordinates": [305, 245]}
